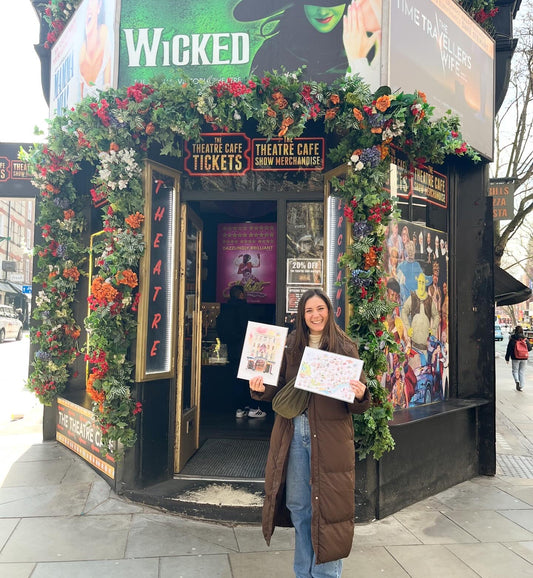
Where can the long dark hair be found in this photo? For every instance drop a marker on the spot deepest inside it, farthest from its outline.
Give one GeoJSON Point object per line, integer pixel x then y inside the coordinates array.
{"type": "Point", "coordinates": [519, 332]}
{"type": "Point", "coordinates": [333, 337]}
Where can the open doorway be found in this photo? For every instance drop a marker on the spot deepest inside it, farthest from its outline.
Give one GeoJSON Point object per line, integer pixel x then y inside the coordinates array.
{"type": "Point", "coordinates": [221, 393]}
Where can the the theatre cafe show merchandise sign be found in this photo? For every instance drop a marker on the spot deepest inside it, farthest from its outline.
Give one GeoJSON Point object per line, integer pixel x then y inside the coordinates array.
{"type": "Point", "coordinates": [234, 154]}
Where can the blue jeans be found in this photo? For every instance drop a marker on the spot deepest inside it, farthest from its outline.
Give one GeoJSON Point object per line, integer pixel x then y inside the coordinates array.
{"type": "Point", "coordinates": [298, 498]}
{"type": "Point", "coordinates": [519, 371]}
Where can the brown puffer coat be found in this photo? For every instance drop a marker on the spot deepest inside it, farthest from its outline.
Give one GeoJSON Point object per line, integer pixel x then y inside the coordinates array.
{"type": "Point", "coordinates": [332, 467]}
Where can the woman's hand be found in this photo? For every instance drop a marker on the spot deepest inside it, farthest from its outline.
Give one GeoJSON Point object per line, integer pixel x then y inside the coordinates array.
{"type": "Point", "coordinates": [359, 19]}
{"type": "Point", "coordinates": [358, 388]}
{"type": "Point", "coordinates": [256, 384]}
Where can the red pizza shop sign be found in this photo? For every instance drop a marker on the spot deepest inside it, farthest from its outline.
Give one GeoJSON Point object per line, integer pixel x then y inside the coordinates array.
{"type": "Point", "coordinates": [234, 154]}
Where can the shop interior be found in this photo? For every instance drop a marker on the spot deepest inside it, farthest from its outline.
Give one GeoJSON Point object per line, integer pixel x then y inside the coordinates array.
{"type": "Point", "coordinates": [221, 392]}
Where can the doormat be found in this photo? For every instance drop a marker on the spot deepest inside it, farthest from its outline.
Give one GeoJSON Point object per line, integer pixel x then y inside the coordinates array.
{"type": "Point", "coordinates": [229, 458]}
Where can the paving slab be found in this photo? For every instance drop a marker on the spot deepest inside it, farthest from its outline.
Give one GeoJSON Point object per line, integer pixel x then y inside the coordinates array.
{"type": "Point", "coordinates": [431, 561]}
{"type": "Point", "coordinates": [383, 533]}
{"type": "Point", "coordinates": [433, 527]}
{"type": "Point", "coordinates": [214, 565]}
{"type": "Point", "coordinates": [67, 538]}
{"type": "Point", "coordinates": [489, 526]}
{"type": "Point", "coordinates": [469, 496]}
{"type": "Point", "coordinates": [492, 560]}
{"type": "Point", "coordinates": [373, 561]}
{"type": "Point", "coordinates": [26, 501]}
{"type": "Point", "coordinates": [166, 535]}
{"type": "Point", "coordinates": [143, 568]}
{"type": "Point", "coordinates": [16, 570]}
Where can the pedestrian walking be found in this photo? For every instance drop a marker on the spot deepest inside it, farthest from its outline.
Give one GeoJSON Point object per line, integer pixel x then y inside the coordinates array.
{"type": "Point", "coordinates": [518, 350]}
{"type": "Point", "coordinates": [310, 471]}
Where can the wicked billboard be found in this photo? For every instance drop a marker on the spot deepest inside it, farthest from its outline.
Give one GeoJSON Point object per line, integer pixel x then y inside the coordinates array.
{"type": "Point", "coordinates": [218, 40]}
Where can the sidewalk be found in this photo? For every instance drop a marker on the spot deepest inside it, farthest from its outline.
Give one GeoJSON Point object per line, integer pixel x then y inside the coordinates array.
{"type": "Point", "coordinates": [58, 518]}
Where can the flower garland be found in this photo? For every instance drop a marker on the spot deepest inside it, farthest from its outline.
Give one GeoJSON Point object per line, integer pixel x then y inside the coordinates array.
{"type": "Point", "coordinates": [113, 133]}
{"type": "Point", "coordinates": [57, 13]}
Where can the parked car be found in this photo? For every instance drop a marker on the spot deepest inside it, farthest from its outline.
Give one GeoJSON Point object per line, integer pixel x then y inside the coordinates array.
{"type": "Point", "coordinates": [10, 324]}
{"type": "Point", "coordinates": [498, 334]}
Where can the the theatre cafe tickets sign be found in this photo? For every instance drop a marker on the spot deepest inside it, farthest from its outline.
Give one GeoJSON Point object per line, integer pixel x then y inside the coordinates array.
{"type": "Point", "coordinates": [234, 154]}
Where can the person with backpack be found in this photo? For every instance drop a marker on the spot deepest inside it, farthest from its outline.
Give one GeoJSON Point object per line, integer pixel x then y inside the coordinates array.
{"type": "Point", "coordinates": [518, 350]}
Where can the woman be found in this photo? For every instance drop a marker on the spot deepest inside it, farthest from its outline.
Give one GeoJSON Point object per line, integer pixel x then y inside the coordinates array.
{"type": "Point", "coordinates": [310, 472]}
{"type": "Point", "coordinates": [328, 37]}
{"type": "Point", "coordinates": [517, 344]}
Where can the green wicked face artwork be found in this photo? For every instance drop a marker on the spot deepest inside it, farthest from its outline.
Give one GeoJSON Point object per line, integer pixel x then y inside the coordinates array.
{"type": "Point", "coordinates": [324, 18]}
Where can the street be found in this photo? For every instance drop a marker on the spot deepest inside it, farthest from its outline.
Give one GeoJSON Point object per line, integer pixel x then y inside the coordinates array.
{"type": "Point", "coordinates": [17, 402]}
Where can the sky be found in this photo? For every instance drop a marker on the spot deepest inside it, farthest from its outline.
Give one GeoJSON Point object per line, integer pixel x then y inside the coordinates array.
{"type": "Point", "coordinates": [22, 104]}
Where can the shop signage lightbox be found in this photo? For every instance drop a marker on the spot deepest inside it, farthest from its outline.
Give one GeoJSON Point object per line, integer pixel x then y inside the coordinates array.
{"type": "Point", "coordinates": [15, 180]}
{"type": "Point", "coordinates": [423, 182]}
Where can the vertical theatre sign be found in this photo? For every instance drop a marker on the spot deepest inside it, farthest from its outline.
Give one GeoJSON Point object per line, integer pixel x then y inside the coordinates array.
{"type": "Point", "coordinates": [336, 242]}
{"type": "Point", "coordinates": [156, 332]}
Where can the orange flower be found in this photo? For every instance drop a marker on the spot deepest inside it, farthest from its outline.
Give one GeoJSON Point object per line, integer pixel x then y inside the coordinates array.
{"type": "Point", "coordinates": [71, 273]}
{"type": "Point", "coordinates": [282, 103]}
{"type": "Point", "coordinates": [383, 103]}
{"type": "Point", "coordinates": [283, 131]}
{"type": "Point", "coordinates": [335, 98]}
{"type": "Point", "coordinates": [384, 151]}
{"type": "Point", "coordinates": [51, 189]}
{"type": "Point", "coordinates": [103, 291]}
{"type": "Point", "coordinates": [74, 332]}
{"type": "Point", "coordinates": [113, 146]}
{"type": "Point", "coordinates": [422, 95]}
{"type": "Point", "coordinates": [52, 274]}
{"type": "Point", "coordinates": [376, 130]}
{"type": "Point", "coordinates": [287, 121]}
{"type": "Point", "coordinates": [127, 277]}
{"type": "Point", "coordinates": [277, 95]}
{"type": "Point", "coordinates": [331, 113]}
{"type": "Point", "coordinates": [97, 396]}
{"type": "Point", "coordinates": [150, 128]}
{"type": "Point", "coordinates": [134, 221]}
{"type": "Point", "coordinates": [271, 113]}
{"type": "Point", "coordinates": [371, 258]}
{"type": "Point", "coordinates": [68, 214]}
{"type": "Point", "coordinates": [358, 114]}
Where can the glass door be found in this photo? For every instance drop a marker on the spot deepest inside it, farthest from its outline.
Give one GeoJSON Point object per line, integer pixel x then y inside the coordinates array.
{"type": "Point", "coordinates": [189, 339]}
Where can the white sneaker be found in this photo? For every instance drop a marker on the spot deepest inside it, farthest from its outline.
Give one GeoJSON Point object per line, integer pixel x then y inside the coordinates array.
{"type": "Point", "coordinates": [256, 413]}
{"type": "Point", "coordinates": [241, 413]}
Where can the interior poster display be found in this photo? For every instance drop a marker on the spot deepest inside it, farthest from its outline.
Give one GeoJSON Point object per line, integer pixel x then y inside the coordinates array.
{"type": "Point", "coordinates": [416, 267]}
{"type": "Point", "coordinates": [83, 58]}
{"type": "Point", "coordinates": [246, 256]}
{"type": "Point", "coordinates": [437, 48]}
{"type": "Point", "coordinates": [215, 40]}
{"type": "Point", "coordinates": [328, 374]}
{"type": "Point", "coordinates": [262, 352]}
